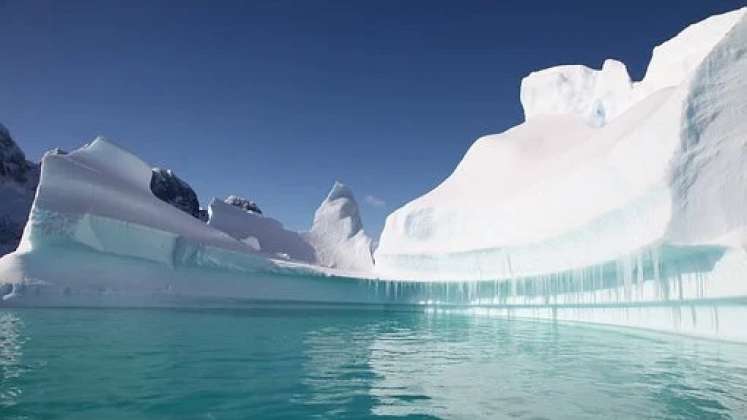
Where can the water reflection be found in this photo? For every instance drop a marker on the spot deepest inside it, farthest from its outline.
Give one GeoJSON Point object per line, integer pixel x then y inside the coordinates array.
{"type": "Point", "coordinates": [11, 351]}
{"type": "Point", "coordinates": [299, 361]}
{"type": "Point", "coordinates": [450, 366]}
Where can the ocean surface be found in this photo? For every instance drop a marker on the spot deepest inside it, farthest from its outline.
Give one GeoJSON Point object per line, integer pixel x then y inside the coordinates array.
{"type": "Point", "coordinates": [308, 361]}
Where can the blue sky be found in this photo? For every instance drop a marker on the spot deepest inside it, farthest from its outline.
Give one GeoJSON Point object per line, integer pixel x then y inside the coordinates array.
{"type": "Point", "coordinates": [274, 100]}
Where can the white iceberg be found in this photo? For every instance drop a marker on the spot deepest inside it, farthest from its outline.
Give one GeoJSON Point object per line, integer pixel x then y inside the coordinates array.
{"type": "Point", "coordinates": [602, 170]}
{"type": "Point", "coordinates": [337, 233]}
{"type": "Point", "coordinates": [98, 235]}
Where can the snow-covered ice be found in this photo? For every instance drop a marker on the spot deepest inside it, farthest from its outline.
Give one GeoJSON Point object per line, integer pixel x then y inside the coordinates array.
{"type": "Point", "coordinates": [337, 233]}
{"type": "Point", "coordinates": [602, 168]}
{"type": "Point", "coordinates": [98, 233]}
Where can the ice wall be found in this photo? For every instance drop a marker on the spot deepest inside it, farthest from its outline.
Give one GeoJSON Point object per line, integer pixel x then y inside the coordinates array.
{"type": "Point", "coordinates": [709, 169]}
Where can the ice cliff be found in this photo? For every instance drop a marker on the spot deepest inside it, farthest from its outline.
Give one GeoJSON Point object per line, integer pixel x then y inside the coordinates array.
{"type": "Point", "coordinates": [602, 169]}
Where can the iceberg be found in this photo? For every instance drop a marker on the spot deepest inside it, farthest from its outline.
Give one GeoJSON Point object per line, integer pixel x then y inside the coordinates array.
{"type": "Point", "coordinates": [337, 233]}
{"type": "Point", "coordinates": [97, 234]}
{"type": "Point", "coordinates": [602, 170]}
{"type": "Point", "coordinates": [616, 201]}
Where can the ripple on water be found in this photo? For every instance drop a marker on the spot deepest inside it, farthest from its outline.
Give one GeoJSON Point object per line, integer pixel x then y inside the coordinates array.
{"type": "Point", "coordinates": [305, 361]}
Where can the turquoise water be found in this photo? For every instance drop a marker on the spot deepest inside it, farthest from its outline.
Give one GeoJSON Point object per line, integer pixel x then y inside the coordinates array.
{"type": "Point", "coordinates": [300, 361]}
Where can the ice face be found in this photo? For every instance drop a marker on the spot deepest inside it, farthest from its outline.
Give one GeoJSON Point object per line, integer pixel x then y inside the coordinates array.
{"type": "Point", "coordinates": [709, 169]}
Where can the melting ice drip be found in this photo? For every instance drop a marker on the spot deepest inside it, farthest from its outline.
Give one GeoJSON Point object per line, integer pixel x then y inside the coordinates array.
{"type": "Point", "coordinates": [684, 289]}
{"type": "Point", "coordinates": [655, 274]}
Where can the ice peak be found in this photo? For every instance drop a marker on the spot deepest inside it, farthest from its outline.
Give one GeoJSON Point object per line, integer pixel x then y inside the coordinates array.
{"type": "Point", "coordinates": [337, 232]}
{"type": "Point", "coordinates": [339, 190]}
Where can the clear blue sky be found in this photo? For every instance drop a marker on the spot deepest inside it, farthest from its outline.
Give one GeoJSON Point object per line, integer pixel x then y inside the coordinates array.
{"type": "Point", "coordinates": [274, 100]}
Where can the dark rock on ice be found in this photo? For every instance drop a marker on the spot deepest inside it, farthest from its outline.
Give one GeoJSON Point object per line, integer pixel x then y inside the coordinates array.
{"type": "Point", "coordinates": [243, 204]}
{"type": "Point", "coordinates": [171, 189]}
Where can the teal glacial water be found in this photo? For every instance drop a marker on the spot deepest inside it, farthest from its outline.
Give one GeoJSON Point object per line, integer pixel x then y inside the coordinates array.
{"type": "Point", "coordinates": [300, 361]}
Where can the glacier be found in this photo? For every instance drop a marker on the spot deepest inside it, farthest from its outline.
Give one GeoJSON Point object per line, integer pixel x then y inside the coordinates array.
{"type": "Point", "coordinates": [616, 201]}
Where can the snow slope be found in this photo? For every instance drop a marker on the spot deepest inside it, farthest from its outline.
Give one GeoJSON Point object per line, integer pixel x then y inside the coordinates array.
{"type": "Point", "coordinates": [601, 169]}
{"type": "Point", "coordinates": [337, 233]}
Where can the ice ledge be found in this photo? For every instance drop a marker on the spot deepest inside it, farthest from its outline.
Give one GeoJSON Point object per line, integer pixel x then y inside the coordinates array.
{"type": "Point", "coordinates": [596, 96]}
